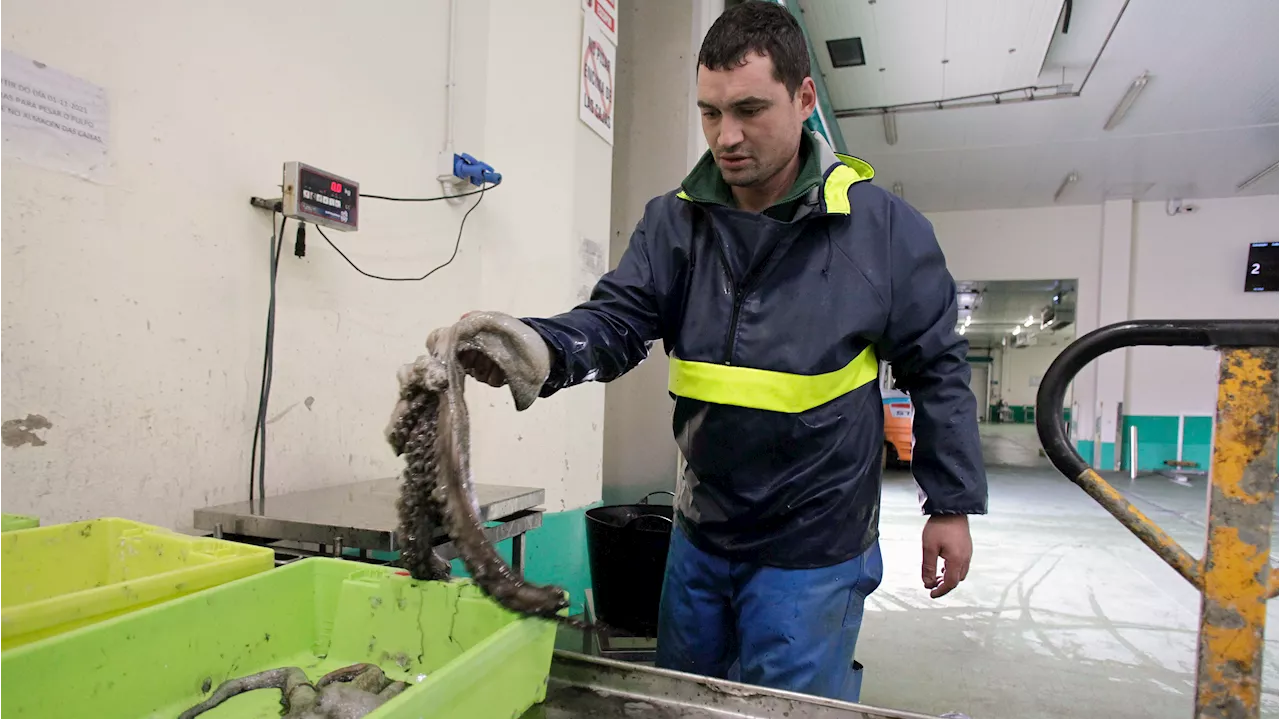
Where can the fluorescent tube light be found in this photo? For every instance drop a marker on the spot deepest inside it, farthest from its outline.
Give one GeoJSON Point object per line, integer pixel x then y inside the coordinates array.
{"type": "Point", "coordinates": [1253, 180]}
{"type": "Point", "coordinates": [890, 128]}
{"type": "Point", "coordinates": [1126, 102]}
{"type": "Point", "coordinates": [1067, 181]}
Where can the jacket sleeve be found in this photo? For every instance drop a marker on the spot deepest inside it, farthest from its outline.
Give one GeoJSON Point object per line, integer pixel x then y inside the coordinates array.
{"type": "Point", "coordinates": [927, 356]}
{"type": "Point", "coordinates": [610, 333]}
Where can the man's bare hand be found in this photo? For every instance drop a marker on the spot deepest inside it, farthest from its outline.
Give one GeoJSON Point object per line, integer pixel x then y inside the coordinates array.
{"type": "Point", "coordinates": [946, 537]}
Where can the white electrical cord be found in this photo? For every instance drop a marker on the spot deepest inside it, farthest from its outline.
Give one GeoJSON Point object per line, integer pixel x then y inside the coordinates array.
{"type": "Point", "coordinates": [450, 76]}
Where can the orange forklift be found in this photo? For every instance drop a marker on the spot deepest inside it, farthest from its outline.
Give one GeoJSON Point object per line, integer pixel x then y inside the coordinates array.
{"type": "Point", "coordinates": [898, 415]}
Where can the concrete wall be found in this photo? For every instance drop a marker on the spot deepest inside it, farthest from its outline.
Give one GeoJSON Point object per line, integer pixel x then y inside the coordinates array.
{"type": "Point", "coordinates": [134, 309]}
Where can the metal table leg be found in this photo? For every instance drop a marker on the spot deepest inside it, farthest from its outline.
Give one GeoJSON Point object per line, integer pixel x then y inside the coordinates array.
{"type": "Point", "coordinates": [517, 553]}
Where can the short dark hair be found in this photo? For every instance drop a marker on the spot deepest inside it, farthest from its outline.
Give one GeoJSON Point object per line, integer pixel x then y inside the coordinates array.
{"type": "Point", "coordinates": [762, 27]}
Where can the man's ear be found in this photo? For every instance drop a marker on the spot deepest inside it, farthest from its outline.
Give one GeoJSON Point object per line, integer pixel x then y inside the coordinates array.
{"type": "Point", "coordinates": [808, 93]}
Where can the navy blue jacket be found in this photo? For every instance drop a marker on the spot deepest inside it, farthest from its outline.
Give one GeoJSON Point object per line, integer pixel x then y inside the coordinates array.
{"type": "Point", "coordinates": [774, 329]}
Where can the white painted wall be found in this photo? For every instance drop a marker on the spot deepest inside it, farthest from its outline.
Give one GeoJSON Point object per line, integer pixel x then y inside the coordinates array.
{"type": "Point", "coordinates": [1192, 266]}
{"type": "Point", "coordinates": [1188, 266]}
{"type": "Point", "coordinates": [1041, 243]}
{"type": "Point", "coordinates": [133, 311]}
{"type": "Point", "coordinates": [1020, 366]}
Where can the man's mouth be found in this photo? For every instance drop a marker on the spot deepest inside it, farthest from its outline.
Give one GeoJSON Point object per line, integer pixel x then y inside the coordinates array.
{"type": "Point", "coordinates": [734, 161]}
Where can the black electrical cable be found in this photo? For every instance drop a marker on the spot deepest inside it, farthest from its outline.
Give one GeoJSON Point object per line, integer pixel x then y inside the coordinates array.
{"type": "Point", "coordinates": [258, 455]}
{"type": "Point", "coordinates": [456, 244]}
{"type": "Point", "coordinates": [480, 191]}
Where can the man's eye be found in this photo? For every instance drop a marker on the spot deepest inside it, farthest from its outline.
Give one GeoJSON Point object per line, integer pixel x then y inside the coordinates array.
{"type": "Point", "coordinates": [750, 111]}
{"type": "Point", "coordinates": [710, 114]}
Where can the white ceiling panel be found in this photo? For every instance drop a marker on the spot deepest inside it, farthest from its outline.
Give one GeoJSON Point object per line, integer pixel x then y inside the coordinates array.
{"type": "Point", "coordinates": [1072, 53]}
{"type": "Point", "coordinates": [1206, 121]}
{"type": "Point", "coordinates": [926, 50]}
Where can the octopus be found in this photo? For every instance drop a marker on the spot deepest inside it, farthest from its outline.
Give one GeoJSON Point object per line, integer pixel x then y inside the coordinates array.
{"type": "Point", "coordinates": [347, 693]}
{"type": "Point", "coordinates": [432, 432]}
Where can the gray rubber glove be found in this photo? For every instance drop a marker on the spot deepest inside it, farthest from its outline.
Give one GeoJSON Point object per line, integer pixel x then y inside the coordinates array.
{"type": "Point", "coordinates": [492, 347]}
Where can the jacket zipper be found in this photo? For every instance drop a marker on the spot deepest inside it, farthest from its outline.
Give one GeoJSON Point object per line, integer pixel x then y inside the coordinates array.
{"type": "Point", "coordinates": [731, 337]}
{"type": "Point", "coordinates": [739, 293]}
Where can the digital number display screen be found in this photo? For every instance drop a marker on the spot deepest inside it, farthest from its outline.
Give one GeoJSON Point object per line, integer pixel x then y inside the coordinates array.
{"type": "Point", "coordinates": [1264, 263]}
{"type": "Point", "coordinates": [324, 196]}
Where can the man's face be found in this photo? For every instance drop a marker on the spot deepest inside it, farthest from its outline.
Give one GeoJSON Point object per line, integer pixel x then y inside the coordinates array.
{"type": "Point", "coordinates": [752, 124]}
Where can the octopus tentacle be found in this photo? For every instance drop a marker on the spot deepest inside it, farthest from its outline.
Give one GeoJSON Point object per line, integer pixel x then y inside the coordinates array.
{"type": "Point", "coordinates": [434, 434]}
{"type": "Point", "coordinates": [285, 679]}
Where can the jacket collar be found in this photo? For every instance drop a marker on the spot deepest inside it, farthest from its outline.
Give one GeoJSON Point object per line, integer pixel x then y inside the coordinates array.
{"type": "Point", "coordinates": [824, 179]}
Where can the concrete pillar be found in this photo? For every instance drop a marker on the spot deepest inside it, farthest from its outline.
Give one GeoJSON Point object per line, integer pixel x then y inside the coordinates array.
{"type": "Point", "coordinates": [658, 139]}
{"type": "Point", "coordinates": [1114, 279]}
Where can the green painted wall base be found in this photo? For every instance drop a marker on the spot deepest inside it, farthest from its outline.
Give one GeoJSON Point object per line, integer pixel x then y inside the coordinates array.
{"type": "Point", "coordinates": [1085, 448]}
{"type": "Point", "coordinates": [555, 553]}
{"type": "Point", "coordinates": [1158, 440]}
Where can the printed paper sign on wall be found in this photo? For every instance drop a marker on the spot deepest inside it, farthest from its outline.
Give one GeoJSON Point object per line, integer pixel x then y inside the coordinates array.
{"type": "Point", "coordinates": [595, 96]}
{"type": "Point", "coordinates": [592, 263]}
{"type": "Point", "coordinates": [605, 13]}
{"type": "Point", "coordinates": [52, 119]}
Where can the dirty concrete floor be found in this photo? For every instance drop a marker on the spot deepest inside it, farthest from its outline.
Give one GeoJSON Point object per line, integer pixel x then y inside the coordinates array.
{"type": "Point", "coordinates": [1063, 614]}
{"type": "Point", "coordinates": [1011, 445]}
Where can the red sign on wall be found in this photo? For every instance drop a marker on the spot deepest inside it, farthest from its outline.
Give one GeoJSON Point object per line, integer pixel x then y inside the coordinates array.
{"type": "Point", "coordinates": [605, 13]}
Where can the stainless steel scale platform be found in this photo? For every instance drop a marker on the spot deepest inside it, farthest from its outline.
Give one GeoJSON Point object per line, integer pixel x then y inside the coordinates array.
{"type": "Point", "coordinates": [362, 516]}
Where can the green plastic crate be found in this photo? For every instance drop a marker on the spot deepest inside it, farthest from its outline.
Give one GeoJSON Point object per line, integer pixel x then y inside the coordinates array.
{"type": "Point", "coordinates": [64, 576]}
{"type": "Point", "coordinates": [10, 522]}
{"type": "Point", "coordinates": [466, 656]}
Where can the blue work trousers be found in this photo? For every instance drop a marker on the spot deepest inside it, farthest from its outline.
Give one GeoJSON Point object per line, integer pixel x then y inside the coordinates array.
{"type": "Point", "coordinates": [791, 629]}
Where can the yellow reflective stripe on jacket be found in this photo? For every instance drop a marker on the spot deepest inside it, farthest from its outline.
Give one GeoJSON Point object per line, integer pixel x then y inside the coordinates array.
{"type": "Point", "coordinates": [767, 389]}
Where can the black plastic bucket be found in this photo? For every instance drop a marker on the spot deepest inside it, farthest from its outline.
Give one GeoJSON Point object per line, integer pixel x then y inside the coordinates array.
{"type": "Point", "coordinates": [627, 547]}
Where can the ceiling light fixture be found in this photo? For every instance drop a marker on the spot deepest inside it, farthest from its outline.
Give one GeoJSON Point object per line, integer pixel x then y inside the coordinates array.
{"type": "Point", "coordinates": [1067, 181]}
{"type": "Point", "coordinates": [897, 189]}
{"type": "Point", "coordinates": [968, 320]}
{"type": "Point", "coordinates": [1017, 329]}
{"type": "Point", "coordinates": [890, 128]}
{"type": "Point", "coordinates": [1126, 102]}
{"type": "Point", "coordinates": [962, 329]}
{"type": "Point", "coordinates": [1253, 180]}
{"type": "Point", "coordinates": [1027, 322]}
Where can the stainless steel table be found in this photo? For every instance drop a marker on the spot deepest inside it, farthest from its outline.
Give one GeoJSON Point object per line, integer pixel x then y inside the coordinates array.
{"type": "Point", "coordinates": [582, 686]}
{"type": "Point", "coordinates": [362, 515]}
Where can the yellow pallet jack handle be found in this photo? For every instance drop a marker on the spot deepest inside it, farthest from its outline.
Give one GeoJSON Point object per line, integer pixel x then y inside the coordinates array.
{"type": "Point", "coordinates": [1235, 577]}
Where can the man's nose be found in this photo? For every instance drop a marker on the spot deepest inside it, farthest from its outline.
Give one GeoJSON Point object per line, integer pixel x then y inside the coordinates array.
{"type": "Point", "coordinates": [730, 133]}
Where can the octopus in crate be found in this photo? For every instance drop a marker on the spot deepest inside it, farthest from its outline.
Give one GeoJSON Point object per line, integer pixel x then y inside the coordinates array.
{"type": "Point", "coordinates": [347, 693]}
{"type": "Point", "coordinates": [431, 429]}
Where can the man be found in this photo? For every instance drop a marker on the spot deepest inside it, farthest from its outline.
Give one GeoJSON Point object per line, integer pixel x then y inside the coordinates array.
{"type": "Point", "coordinates": [777, 277]}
